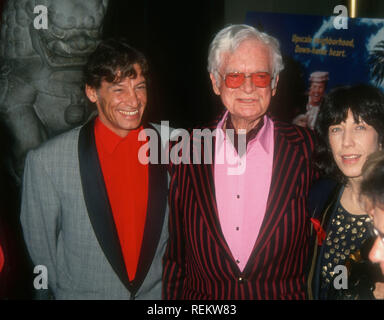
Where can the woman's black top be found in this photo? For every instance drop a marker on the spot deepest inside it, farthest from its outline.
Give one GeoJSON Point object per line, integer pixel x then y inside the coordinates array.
{"type": "Point", "coordinates": [346, 234]}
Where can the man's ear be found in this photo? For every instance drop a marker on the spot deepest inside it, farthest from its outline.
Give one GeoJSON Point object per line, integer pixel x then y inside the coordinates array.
{"type": "Point", "coordinates": [91, 93]}
{"type": "Point", "coordinates": [214, 84]}
{"type": "Point", "coordinates": [275, 81]}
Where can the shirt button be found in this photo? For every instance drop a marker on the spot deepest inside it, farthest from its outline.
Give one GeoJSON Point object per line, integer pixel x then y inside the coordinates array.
{"type": "Point", "coordinates": [238, 196]}
{"type": "Point", "coordinates": [240, 279]}
{"type": "Point", "coordinates": [237, 228]}
{"type": "Point", "coordinates": [237, 261]}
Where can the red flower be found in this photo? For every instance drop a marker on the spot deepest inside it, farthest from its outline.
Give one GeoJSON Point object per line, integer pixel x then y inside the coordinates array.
{"type": "Point", "coordinates": [319, 229]}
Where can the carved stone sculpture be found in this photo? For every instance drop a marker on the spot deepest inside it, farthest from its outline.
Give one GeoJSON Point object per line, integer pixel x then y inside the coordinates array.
{"type": "Point", "coordinates": [41, 69]}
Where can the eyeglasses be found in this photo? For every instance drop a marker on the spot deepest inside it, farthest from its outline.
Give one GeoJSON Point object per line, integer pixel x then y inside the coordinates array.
{"type": "Point", "coordinates": [234, 80]}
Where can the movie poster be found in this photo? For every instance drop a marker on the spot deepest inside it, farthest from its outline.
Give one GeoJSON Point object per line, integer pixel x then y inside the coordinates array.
{"type": "Point", "coordinates": [319, 53]}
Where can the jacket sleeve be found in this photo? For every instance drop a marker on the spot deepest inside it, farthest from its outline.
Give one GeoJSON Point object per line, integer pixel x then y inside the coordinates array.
{"type": "Point", "coordinates": [174, 258]}
{"type": "Point", "coordinates": [40, 212]}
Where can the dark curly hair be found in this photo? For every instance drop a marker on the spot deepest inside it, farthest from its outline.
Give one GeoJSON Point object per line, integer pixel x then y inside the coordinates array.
{"type": "Point", "coordinates": [365, 102]}
{"type": "Point", "coordinates": [112, 61]}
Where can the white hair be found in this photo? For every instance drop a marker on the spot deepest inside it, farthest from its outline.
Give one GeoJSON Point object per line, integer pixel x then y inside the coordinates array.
{"type": "Point", "coordinates": [229, 39]}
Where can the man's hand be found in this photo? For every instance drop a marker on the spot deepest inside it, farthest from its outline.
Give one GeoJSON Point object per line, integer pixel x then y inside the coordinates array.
{"type": "Point", "coordinates": [301, 120]}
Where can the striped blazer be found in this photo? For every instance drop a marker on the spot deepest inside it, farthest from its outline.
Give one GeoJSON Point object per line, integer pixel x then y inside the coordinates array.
{"type": "Point", "coordinates": [198, 263]}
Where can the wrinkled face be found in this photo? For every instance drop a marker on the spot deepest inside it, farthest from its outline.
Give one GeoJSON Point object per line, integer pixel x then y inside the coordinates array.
{"type": "Point", "coordinates": [316, 93]}
{"type": "Point", "coordinates": [248, 102]}
{"type": "Point", "coordinates": [351, 143]}
{"type": "Point", "coordinates": [376, 254]}
{"type": "Point", "coordinates": [121, 105]}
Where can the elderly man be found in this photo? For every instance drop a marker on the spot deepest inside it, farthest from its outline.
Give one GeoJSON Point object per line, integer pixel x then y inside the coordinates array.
{"type": "Point", "coordinates": [242, 235]}
{"type": "Point", "coordinates": [372, 191]}
{"type": "Point", "coordinates": [377, 252]}
{"type": "Point", "coordinates": [92, 213]}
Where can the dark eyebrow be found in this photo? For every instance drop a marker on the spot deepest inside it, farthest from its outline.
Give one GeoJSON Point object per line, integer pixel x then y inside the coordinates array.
{"type": "Point", "coordinates": [114, 85]}
{"type": "Point", "coordinates": [140, 83]}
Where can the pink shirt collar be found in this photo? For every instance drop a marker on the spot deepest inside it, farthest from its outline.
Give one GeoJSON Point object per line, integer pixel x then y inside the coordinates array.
{"type": "Point", "coordinates": [262, 136]}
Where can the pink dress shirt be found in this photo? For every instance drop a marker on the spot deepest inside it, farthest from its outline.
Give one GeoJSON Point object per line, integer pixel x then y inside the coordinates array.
{"type": "Point", "coordinates": [241, 195]}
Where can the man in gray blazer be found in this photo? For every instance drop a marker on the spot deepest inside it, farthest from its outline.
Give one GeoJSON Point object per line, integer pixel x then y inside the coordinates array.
{"type": "Point", "coordinates": [74, 214]}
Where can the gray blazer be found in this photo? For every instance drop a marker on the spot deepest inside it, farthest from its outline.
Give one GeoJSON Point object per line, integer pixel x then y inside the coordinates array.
{"type": "Point", "coordinates": [69, 228]}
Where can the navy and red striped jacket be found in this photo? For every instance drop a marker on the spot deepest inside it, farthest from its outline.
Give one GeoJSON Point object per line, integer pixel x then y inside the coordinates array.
{"type": "Point", "coordinates": [198, 263]}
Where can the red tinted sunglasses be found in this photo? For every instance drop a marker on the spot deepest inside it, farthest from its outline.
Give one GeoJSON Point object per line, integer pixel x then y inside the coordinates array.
{"type": "Point", "coordinates": [234, 80]}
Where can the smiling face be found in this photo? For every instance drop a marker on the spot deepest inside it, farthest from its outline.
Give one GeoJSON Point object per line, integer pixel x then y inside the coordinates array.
{"type": "Point", "coordinates": [316, 93]}
{"type": "Point", "coordinates": [351, 143]}
{"type": "Point", "coordinates": [247, 103]}
{"type": "Point", "coordinates": [121, 105]}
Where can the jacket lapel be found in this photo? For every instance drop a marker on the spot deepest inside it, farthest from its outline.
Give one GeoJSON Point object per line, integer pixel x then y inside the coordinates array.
{"type": "Point", "coordinates": [156, 208]}
{"type": "Point", "coordinates": [97, 202]}
{"type": "Point", "coordinates": [286, 160]}
{"type": "Point", "coordinates": [202, 176]}
{"type": "Point", "coordinates": [329, 212]}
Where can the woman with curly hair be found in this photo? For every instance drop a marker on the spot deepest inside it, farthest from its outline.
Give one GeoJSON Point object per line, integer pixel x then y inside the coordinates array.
{"type": "Point", "coordinates": [350, 127]}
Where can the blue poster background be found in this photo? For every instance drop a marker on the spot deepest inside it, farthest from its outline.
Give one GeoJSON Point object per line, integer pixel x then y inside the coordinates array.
{"type": "Point", "coordinates": [314, 44]}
